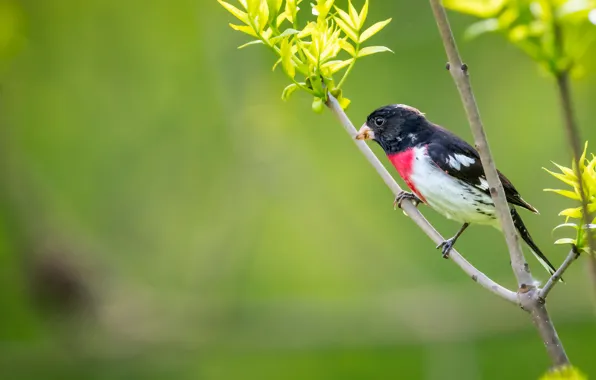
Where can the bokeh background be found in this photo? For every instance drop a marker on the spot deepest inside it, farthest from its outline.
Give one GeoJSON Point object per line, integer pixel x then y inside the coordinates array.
{"type": "Point", "coordinates": [163, 214]}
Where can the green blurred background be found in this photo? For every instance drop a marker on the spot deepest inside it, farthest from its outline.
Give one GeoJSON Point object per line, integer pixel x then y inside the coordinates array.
{"type": "Point", "coordinates": [165, 215]}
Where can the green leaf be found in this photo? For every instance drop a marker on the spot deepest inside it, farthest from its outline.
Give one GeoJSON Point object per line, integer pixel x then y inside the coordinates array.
{"type": "Point", "coordinates": [288, 91]}
{"type": "Point", "coordinates": [363, 15]}
{"type": "Point", "coordinates": [575, 9]}
{"type": "Point", "coordinates": [348, 47]}
{"type": "Point", "coordinates": [311, 58]}
{"type": "Point", "coordinates": [354, 16]}
{"type": "Point", "coordinates": [291, 10]}
{"type": "Point", "coordinates": [265, 34]}
{"type": "Point", "coordinates": [565, 193]}
{"type": "Point", "coordinates": [283, 16]}
{"type": "Point", "coordinates": [274, 7]}
{"type": "Point", "coordinates": [254, 42]}
{"type": "Point", "coordinates": [565, 241]}
{"type": "Point", "coordinates": [317, 105]}
{"type": "Point", "coordinates": [518, 33]}
{"type": "Point", "coordinates": [373, 50]}
{"type": "Point", "coordinates": [331, 46]}
{"type": "Point", "coordinates": [253, 10]}
{"type": "Point", "coordinates": [575, 213]}
{"type": "Point", "coordinates": [481, 27]}
{"type": "Point", "coordinates": [336, 92]}
{"type": "Point", "coordinates": [316, 83]}
{"type": "Point", "coordinates": [567, 171]}
{"type": "Point", "coordinates": [347, 29]}
{"type": "Point", "coordinates": [478, 8]}
{"type": "Point", "coordinates": [308, 29]}
{"type": "Point", "coordinates": [572, 225]}
{"type": "Point", "coordinates": [344, 103]}
{"type": "Point", "coordinates": [286, 58]}
{"type": "Point", "coordinates": [582, 159]}
{"type": "Point", "coordinates": [244, 29]}
{"type": "Point", "coordinates": [345, 17]}
{"type": "Point", "coordinates": [564, 178]}
{"type": "Point", "coordinates": [286, 33]}
{"type": "Point", "coordinates": [242, 16]}
{"type": "Point", "coordinates": [321, 9]}
{"type": "Point", "coordinates": [335, 66]}
{"type": "Point", "coordinates": [263, 16]}
{"type": "Point", "coordinates": [376, 28]}
{"type": "Point", "coordinates": [566, 372]}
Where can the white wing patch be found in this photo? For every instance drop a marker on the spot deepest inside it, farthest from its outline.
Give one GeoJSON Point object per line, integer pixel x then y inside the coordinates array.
{"type": "Point", "coordinates": [483, 184]}
{"type": "Point", "coordinates": [457, 160]}
{"type": "Point", "coordinates": [453, 162]}
{"type": "Point", "coordinates": [464, 160]}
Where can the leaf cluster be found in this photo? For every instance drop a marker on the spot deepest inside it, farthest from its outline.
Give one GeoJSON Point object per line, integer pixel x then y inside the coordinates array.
{"type": "Point", "coordinates": [312, 55]}
{"type": "Point", "coordinates": [587, 170]}
{"type": "Point", "coordinates": [555, 33]}
{"type": "Point", "coordinates": [567, 372]}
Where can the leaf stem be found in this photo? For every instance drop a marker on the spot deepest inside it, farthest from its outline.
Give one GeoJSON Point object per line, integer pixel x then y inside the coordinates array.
{"type": "Point", "coordinates": [303, 87]}
{"type": "Point", "coordinates": [349, 69]}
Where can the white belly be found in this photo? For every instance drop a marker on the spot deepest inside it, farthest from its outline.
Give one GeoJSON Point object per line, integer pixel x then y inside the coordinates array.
{"type": "Point", "coordinates": [449, 196]}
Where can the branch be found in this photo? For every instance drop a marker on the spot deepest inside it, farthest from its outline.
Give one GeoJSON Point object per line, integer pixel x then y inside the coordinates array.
{"type": "Point", "coordinates": [414, 213]}
{"type": "Point", "coordinates": [528, 294]}
{"type": "Point", "coordinates": [554, 279]}
{"type": "Point", "coordinates": [549, 335]}
{"type": "Point", "coordinates": [459, 72]}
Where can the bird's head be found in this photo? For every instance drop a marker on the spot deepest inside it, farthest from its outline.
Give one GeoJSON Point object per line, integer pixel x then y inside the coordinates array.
{"type": "Point", "coordinates": [393, 125]}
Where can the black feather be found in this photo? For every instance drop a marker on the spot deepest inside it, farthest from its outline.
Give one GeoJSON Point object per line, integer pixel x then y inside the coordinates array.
{"type": "Point", "coordinates": [443, 144]}
{"type": "Point", "coordinates": [523, 231]}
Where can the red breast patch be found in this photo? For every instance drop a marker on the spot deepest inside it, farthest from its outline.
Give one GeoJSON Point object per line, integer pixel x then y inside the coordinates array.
{"type": "Point", "coordinates": [403, 163]}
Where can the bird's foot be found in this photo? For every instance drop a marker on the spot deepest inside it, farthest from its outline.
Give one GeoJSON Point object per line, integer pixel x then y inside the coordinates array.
{"type": "Point", "coordinates": [446, 246]}
{"type": "Point", "coordinates": [403, 195]}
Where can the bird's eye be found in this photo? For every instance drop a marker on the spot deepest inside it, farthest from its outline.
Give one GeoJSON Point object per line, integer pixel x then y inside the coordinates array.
{"type": "Point", "coordinates": [379, 121]}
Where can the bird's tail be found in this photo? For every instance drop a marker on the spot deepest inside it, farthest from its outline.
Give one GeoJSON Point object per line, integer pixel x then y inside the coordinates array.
{"type": "Point", "coordinates": [523, 231]}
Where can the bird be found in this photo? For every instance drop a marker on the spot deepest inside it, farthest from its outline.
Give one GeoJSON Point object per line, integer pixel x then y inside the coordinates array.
{"type": "Point", "coordinates": [444, 172]}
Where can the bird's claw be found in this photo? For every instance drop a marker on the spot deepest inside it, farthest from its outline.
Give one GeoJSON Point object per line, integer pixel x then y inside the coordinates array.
{"type": "Point", "coordinates": [446, 246]}
{"type": "Point", "coordinates": [403, 195]}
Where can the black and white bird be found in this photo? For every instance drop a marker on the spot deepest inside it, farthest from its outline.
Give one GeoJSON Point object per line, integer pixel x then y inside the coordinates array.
{"type": "Point", "coordinates": [442, 171]}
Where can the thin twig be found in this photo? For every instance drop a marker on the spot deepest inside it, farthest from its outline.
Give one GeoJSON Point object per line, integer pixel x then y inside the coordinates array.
{"type": "Point", "coordinates": [413, 212]}
{"type": "Point", "coordinates": [528, 295]}
{"type": "Point", "coordinates": [554, 279]}
{"type": "Point", "coordinates": [573, 136]}
{"type": "Point", "coordinates": [459, 72]}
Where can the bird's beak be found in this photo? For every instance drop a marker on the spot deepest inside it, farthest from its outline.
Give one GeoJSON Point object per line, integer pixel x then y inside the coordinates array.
{"type": "Point", "coordinates": [365, 133]}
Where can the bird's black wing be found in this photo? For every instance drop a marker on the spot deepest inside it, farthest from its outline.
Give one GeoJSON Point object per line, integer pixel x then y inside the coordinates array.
{"type": "Point", "coordinates": [459, 159]}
